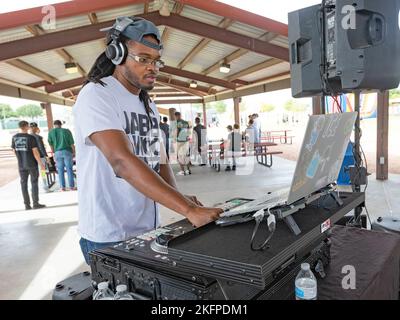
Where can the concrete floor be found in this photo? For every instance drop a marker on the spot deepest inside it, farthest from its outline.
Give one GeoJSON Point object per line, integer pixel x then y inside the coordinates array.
{"type": "Point", "coordinates": [40, 247]}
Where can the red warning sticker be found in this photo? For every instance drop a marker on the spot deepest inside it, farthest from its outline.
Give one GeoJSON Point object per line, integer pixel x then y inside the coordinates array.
{"type": "Point", "coordinates": [325, 225]}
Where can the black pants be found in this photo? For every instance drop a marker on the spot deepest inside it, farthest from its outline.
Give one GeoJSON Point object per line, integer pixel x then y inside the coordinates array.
{"type": "Point", "coordinates": [24, 174]}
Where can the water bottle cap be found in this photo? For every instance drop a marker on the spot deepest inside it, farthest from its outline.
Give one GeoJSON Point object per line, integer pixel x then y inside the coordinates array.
{"type": "Point", "coordinates": [305, 266]}
{"type": "Point", "coordinates": [102, 285]}
{"type": "Point", "coordinates": [121, 287]}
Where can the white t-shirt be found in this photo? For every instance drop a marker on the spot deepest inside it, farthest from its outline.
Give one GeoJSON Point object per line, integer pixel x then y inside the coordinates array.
{"type": "Point", "coordinates": [110, 209]}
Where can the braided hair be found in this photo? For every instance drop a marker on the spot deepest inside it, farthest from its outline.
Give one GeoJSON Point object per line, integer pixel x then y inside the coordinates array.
{"type": "Point", "coordinates": [104, 67]}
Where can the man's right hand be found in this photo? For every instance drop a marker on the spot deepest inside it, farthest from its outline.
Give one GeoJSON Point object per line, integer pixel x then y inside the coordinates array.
{"type": "Point", "coordinates": [200, 216]}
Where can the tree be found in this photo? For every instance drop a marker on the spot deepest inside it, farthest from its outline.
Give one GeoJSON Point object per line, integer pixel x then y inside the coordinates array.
{"type": "Point", "coordinates": [220, 107]}
{"type": "Point", "coordinates": [6, 111]}
{"type": "Point", "coordinates": [292, 106]}
{"type": "Point", "coordinates": [197, 106]}
{"type": "Point", "coordinates": [393, 94]}
{"type": "Point", "coordinates": [30, 110]}
{"type": "Point", "coordinates": [267, 107]}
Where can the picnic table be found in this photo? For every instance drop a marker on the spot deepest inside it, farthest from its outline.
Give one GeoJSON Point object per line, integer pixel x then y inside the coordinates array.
{"type": "Point", "coordinates": [215, 148]}
{"type": "Point", "coordinates": [216, 153]}
{"type": "Point", "coordinates": [263, 156]}
{"type": "Point", "coordinates": [282, 135]}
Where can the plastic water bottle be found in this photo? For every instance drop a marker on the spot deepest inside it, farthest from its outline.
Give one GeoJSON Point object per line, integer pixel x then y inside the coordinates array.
{"type": "Point", "coordinates": [306, 284]}
{"type": "Point", "coordinates": [122, 293]}
{"type": "Point", "coordinates": [103, 292]}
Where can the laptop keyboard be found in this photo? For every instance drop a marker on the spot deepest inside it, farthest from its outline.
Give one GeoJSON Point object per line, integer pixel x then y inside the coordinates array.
{"type": "Point", "coordinates": [271, 200]}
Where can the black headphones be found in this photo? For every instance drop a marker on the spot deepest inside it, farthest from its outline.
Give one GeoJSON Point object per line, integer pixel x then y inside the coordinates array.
{"type": "Point", "coordinates": [116, 51]}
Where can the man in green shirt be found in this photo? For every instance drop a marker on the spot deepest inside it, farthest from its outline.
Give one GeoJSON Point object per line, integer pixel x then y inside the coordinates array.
{"type": "Point", "coordinates": [62, 145]}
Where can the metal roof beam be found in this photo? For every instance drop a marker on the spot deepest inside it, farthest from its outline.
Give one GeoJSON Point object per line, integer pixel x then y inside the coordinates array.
{"type": "Point", "coordinates": [254, 68]}
{"type": "Point", "coordinates": [198, 77]}
{"type": "Point", "coordinates": [250, 90]}
{"type": "Point", "coordinates": [71, 92]}
{"type": "Point", "coordinates": [242, 82]}
{"type": "Point", "coordinates": [17, 90]}
{"type": "Point", "coordinates": [225, 36]}
{"type": "Point", "coordinates": [64, 85]}
{"type": "Point", "coordinates": [183, 86]}
{"type": "Point", "coordinates": [240, 15]}
{"type": "Point", "coordinates": [93, 18]}
{"type": "Point", "coordinates": [268, 36]}
{"type": "Point", "coordinates": [39, 84]}
{"type": "Point", "coordinates": [224, 23]}
{"type": "Point", "coordinates": [31, 69]}
{"type": "Point", "coordinates": [282, 74]}
{"type": "Point", "coordinates": [180, 95]}
{"type": "Point", "coordinates": [63, 10]}
{"type": "Point", "coordinates": [69, 37]}
{"type": "Point", "coordinates": [164, 90]}
{"type": "Point", "coordinates": [146, 7]}
{"type": "Point", "coordinates": [178, 7]}
{"type": "Point", "coordinates": [178, 101]}
{"type": "Point", "coordinates": [37, 31]}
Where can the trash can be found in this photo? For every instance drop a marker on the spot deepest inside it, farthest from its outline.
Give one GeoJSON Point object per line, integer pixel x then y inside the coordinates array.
{"type": "Point", "coordinates": [348, 160]}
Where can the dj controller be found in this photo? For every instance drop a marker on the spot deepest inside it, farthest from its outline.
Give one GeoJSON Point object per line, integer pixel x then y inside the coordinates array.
{"type": "Point", "coordinates": [179, 261]}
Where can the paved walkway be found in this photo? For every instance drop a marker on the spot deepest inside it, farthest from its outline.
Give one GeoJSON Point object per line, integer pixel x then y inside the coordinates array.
{"type": "Point", "coordinates": [40, 247]}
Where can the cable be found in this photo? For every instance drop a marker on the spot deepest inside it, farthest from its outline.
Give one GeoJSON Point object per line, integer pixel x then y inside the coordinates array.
{"type": "Point", "coordinates": [271, 222]}
{"type": "Point", "coordinates": [369, 219]}
{"type": "Point", "coordinates": [366, 167]}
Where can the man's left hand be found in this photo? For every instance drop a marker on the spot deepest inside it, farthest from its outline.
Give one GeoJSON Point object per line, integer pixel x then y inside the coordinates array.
{"type": "Point", "coordinates": [194, 199]}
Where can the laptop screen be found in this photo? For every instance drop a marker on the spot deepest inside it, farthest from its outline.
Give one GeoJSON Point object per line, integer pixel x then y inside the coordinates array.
{"type": "Point", "coordinates": [321, 154]}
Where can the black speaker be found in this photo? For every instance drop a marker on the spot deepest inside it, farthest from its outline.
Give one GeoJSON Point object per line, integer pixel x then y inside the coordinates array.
{"type": "Point", "coordinates": [367, 49]}
{"type": "Point", "coordinates": [359, 42]}
{"type": "Point", "coordinates": [305, 51]}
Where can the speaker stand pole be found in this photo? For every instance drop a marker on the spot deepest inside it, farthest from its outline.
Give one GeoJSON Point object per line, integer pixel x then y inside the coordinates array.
{"type": "Point", "coordinates": [323, 108]}
{"type": "Point", "coordinates": [357, 155]}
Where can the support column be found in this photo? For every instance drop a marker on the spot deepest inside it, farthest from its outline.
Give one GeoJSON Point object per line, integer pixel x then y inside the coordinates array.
{"type": "Point", "coordinates": [204, 115]}
{"type": "Point", "coordinates": [236, 110]}
{"type": "Point", "coordinates": [49, 114]}
{"type": "Point", "coordinates": [318, 105]}
{"type": "Point", "coordinates": [172, 133]}
{"type": "Point", "coordinates": [382, 139]}
{"type": "Point", "coordinates": [171, 112]}
{"type": "Point", "coordinates": [356, 152]}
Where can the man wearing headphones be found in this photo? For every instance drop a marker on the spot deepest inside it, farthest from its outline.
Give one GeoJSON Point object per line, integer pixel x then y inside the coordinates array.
{"type": "Point", "coordinates": [122, 169]}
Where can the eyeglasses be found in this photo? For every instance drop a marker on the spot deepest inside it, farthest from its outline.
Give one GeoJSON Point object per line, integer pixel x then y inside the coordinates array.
{"type": "Point", "coordinates": [147, 61]}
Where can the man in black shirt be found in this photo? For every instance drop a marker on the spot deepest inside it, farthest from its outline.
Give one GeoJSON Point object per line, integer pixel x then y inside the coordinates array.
{"type": "Point", "coordinates": [42, 150]}
{"type": "Point", "coordinates": [26, 149]}
{"type": "Point", "coordinates": [234, 145]}
{"type": "Point", "coordinates": [201, 135]}
{"type": "Point", "coordinates": [164, 126]}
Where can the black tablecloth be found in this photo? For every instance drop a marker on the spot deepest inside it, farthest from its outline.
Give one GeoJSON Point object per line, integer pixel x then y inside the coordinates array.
{"type": "Point", "coordinates": [375, 256]}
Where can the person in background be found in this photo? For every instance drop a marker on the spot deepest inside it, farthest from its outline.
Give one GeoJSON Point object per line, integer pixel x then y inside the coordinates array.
{"type": "Point", "coordinates": [164, 126]}
{"type": "Point", "coordinates": [233, 146]}
{"type": "Point", "coordinates": [183, 146]}
{"type": "Point", "coordinates": [63, 147]}
{"type": "Point", "coordinates": [42, 151]}
{"type": "Point", "coordinates": [26, 149]}
{"type": "Point", "coordinates": [200, 133]}
{"type": "Point", "coordinates": [257, 126]}
{"type": "Point", "coordinates": [252, 133]}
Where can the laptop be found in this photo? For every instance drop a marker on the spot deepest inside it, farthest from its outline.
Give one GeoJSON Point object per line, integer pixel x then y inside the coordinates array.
{"type": "Point", "coordinates": [318, 165]}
